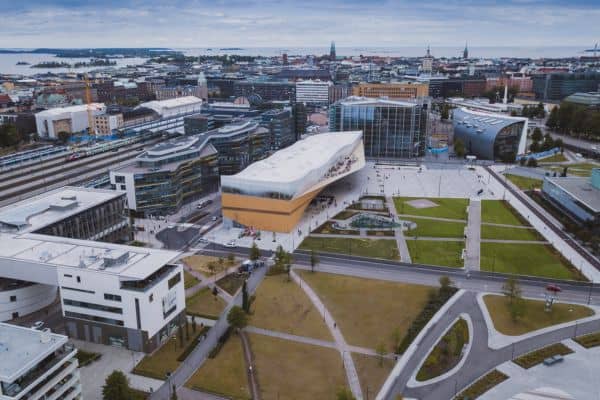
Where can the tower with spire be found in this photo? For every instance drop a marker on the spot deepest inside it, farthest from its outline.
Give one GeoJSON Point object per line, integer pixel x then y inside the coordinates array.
{"type": "Point", "coordinates": [427, 66]}
{"type": "Point", "coordinates": [466, 52]}
{"type": "Point", "coordinates": [332, 55]}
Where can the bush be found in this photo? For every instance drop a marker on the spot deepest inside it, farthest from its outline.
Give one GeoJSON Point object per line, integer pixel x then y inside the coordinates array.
{"type": "Point", "coordinates": [538, 356]}
{"type": "Point", "coordinates": [192, 345]}
{"type": "Point", "coordinates": [85, 357]}
{"type": "Point", "coordinates": [532, 162]}
{"type": "Point", "coordinates": [589, 341]}
{"type": "Point", "coordinates": [220, 343]}
{"type": "Point", "coordinates": [482, 385]}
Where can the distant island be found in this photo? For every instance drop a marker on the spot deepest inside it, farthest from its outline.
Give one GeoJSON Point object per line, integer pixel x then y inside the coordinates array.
{"type": "Point", "coordinates": [94, 62]}
{"type": "Point", "coordinates": [22, 63]}
{"type": "Point", "coordinates": [231, 48]}
{"type": "Point", "coordinates": [96, 53]}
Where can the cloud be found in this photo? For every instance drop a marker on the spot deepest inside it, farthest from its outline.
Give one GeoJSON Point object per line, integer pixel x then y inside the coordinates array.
{"type": "Point", "coordinates": [122, 23]}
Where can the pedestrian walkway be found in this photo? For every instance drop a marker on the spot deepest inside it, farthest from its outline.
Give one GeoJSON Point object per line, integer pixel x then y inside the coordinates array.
{"type": "Point", "coordinates": [472, 257]}
{"type": "Point", "coordinates": [340, 342]}
{"type": "Point", "coordinates": [398, 233]}
{"type": "Point", "coordinates": [250, 371]}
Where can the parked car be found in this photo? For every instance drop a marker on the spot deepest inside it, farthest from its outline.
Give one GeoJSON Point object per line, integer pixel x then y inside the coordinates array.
{"type": "Point", "coordinates": [230, 244]}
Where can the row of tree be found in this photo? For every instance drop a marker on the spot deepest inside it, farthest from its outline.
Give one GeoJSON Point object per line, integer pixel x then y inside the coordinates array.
{"type": "Point", "coordinates": [575, 120]}
{"type": "Point", "coordinates": [10, 136]}
{"type": "Point", "coordinates": [541, 142]}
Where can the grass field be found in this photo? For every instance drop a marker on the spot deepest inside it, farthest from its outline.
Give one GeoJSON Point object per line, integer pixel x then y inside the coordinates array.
{"type": "Point", "coordinates": [231, 283]}
{"type": "Point", "coordinates": [373, 248]}
{"type": "Point", "coordinates": [432, 252]}
{"type": "Point", "coordinates": [524, 183]}
{"type": "Point", "coordinates": [157, 364]}
{"type": "Point", "coordinates": [558, 157]}
{"type": "Point", "coordinates": [372, 373]}
{"type": "Point", "coordinates": [447, 352]}
{"type": "Point", "coordinates": [224, 374]}
{"type": "Point", "coordinates": [189, 280]}
{"type": "Point", "coordinates": [526, 259]}
{"type": "Point", "coordinates": [368, 311]}
{"type": "Point", "coordinates": [501, 212]}
{"type": "Point", "coordinates": [505, 233]}
{"type": "Point", "coordinates": [534, 317]}
{"type": "Point", "coordinates": [578, 169]}
{"type": "Point", "coordinates": [281, 305]}
{"type": "Point", "coordinates": [203, 303]}
{"type": "Point", "coordinates": [206, 264]}
{"type": "Point", "coordinates": [447, 208]}
{"type": "Point", "coordinates": [433, 228]}
{"type": "Point", "coordinates": [287, 369]}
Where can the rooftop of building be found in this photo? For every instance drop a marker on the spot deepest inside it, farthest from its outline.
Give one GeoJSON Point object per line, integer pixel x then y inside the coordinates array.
{"type": "Point", "coordinates": [589, 99]}
{"type": "Point", "coordinates": [128, 262]}
{"type": "Point", "coordinates": [580, 189]}
{"type": "Point", "coordinates": [70, 109]}
{"type": "Point", "coordinates": [483, 119]}
{"type": "Point", "coordinates": [47, 208]}
{"type": "Point", "coordinates": [172, 103]}
{"type": "Point", "coordinates": [23, 348]}
{"type": "Point", "coordinates": [293, 163]}
{"type": "Point", "coordinates": [359, 101]}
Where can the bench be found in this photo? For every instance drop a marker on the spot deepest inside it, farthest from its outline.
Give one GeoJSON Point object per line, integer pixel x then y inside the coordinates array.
{"type": "Point", "coordinates": [553, 360]}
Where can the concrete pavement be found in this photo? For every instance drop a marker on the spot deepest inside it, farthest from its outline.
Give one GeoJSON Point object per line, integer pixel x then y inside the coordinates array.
{"type": "Point", "coordinates": [398, 233]}
{"type": "Point", "coordinates": [473, 233]}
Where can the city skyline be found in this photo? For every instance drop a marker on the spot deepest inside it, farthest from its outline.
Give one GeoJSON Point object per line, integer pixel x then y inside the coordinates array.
{"type": "Point", "coordinates": [132, 23]}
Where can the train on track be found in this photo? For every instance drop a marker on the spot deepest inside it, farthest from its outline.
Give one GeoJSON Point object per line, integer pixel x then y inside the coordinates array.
{"type": "Point", "coordinates": [29, 155]}
{"type": "Point", "coordinates": [114, 145]}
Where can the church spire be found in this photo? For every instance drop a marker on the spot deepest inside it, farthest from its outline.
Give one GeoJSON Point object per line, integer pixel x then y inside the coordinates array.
{"type": "Point", "coordinates": [466, 52]}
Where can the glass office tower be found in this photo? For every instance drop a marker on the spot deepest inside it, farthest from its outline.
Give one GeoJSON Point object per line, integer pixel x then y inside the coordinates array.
{"type": "Point", "coordinates": [391, 129]}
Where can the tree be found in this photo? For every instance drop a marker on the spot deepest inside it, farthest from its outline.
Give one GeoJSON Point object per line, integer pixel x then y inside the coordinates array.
{"type": "Point", "coordinates": [536, 136]}
{"type": "Point", "coordinates": [532, 162]}
{"type": "Point", "coordinates": [116, 387]}
{"type": "Point", "coordinates": [174, 392]}
{"type": "Point", "coordinates": [194, 323]}
{"type": "Point", "coordinates": [344, 394]}
{"type": "Point", "coordinates": [237, 317]}
{"type": "Point", "coordinates": [9, 135]}
{"type": "Point", "coordinates": [380, 350]}
{"type": "Point", "coordinates": [445, 112]}
{"type": "Point", "coordinates": [459, 148]}
{"type": "Point", "coordinates": [245, 300]}
{"type": "Point", "coordinates": [63, 136]}
{"type": "Point", "coordinates": [314, 260]}
{"type": "Point", "coordinates": [512, 290]}
{"type": "Point", "coordinates": [254, 252]}
{"type": "Point", "coordinates": [445, 284]}
{"type": "Point", "coordinates": [552, 121]}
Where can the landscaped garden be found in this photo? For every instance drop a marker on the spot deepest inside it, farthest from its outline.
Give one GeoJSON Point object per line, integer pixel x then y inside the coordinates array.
{"type": "Point", "coordinates": [433, 228]}
{"type": "Point", "coordinates": [434, 252]}
{"type": "Point", "coordinates": [225, 374]}
{"type": "Point", "coordinates": [533, 316]}
{"type": "Point", "coordinates": [372, 248]}
{"type": "Point", "coordinates": [288, 369]}
{"type": "Point", "coordinates": [281, 305]}
{"type": "Point", "coordinates": [538, 356]}
{"type": "Point", "coordinates": [204, 304]}
{"type": "Point", "coordinates": [526, 259]}
{"type": "Point", "coordinates": [447, 353]}
{"type": "Point", "coordinates": [589, 341]}
{"type": "Point", "coordinates": [482, 385]}
{"type": "Point", "coordinates": [369, 312]}
{"type": "Point", "coordinates": [501, 212]}
{"type": "Point", "coordinates": [444, 207]}
{"type": "Point", "coordinates": [231, 283]}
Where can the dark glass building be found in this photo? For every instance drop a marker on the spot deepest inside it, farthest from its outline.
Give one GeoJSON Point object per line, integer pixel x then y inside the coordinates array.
{"type": "Point", "coordinates": [391, 129]}
{"type": "Point", "coordinates": [557, 86]}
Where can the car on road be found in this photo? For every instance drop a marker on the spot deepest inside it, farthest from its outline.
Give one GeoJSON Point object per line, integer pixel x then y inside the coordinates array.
{"type": "Point", "coordinates": [170, 226]}
{"type": "Point", "coordinates": [38, 325]}
{"type": "Point", "coordinates": [250, 265]}
{"type": "Point", "coordinates": [214, 218]}
{"type": "Point", "coordinates": [203, 240]}
{"type": "Point", "coordinates": [230, 244]}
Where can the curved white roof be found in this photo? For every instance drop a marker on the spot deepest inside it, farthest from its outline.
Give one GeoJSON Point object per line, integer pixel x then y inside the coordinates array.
{"type": "Point", "coordinates": [293, 169]}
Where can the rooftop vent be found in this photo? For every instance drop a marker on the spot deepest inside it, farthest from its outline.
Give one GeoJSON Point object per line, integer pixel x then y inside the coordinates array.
{"type": "Point", "coordinates": [69, 197]}
{"type": "Point", "coordinates": [112, 259]}
{"type": "Point", "coordinates": [45, 336]}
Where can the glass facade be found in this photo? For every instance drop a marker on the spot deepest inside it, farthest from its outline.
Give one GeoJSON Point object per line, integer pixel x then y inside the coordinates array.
{"type": "Point", "coordinates": [390, 130]}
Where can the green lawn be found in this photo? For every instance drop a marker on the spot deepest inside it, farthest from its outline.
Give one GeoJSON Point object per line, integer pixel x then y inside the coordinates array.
{"type": "Point", "coordinates": [189, 280]}
{"type": "Point", "coordinates": [558, 157]}
{"type": "Point", "coordinates": [526, 259]}
{"type": "Point", "coordinates": [225, 374]}
{"type": "Point", "coordinates": [205, 304]}
{"type": "Point", "coordinates": [501, 212]}
{"type": "Point", "coordinates": [505, 233]}
{"type": "Point", "coordinates": [368, 311]}
{"type": "Point", "coordinates": [433, 228]}
{"type": "Point", "coordinates": [579, 169]}
{"type": "Point", "coordinates": [373, 248]}
{"type": "Point", "coordinates": [524, 183]}
{"type": "Point", "coordinates": [163, 360]}
{"type": "Point", "coordinates": [447, 208]}
{"type": "Point", "coordinates": [533, 317]}
{"type": "Point", "coordinates": [432, 252]}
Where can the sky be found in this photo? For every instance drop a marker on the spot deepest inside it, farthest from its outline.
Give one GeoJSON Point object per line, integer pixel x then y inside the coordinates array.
{"type": "Point", "coordinates": [273, 23]}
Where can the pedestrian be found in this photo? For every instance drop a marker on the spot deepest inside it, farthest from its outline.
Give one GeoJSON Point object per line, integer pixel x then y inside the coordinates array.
{"type": "Point", "coordinates": [334, 325]}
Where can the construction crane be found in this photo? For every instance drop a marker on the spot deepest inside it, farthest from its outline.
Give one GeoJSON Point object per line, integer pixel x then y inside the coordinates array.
{"type": "Point", "coordinates": [88, 101]}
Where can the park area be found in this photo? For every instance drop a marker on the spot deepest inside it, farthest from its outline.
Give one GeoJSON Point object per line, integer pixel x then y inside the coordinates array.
{"type": "Point", "coordinates": [435, 252]}
{"type": "Point", "coordinates": [372, 248]}
{"type": "Point", "coordinates": [281, 305]}
{"type": "Point", "coordinates": [524, 183]}
{"type": "Point", "coordinates": [527, 259]}
{"type": "Point", "coordinates": [434, 228]}
{"type": "Point", "coordinates": [501, 212]}
{"type": "Point", "coordinates": [204, 304]}
{"type": "Point", "coordinates": [451, 208]}
{"type": "Point", "coordinates": [369, 312]}
{"type": "Point", "coordinates": [532, 314]}
{"type": "Point", "coordinates": [372, 372]}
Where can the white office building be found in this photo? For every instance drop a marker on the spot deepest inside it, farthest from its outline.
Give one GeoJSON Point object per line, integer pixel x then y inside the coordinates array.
{"type": "Point", "coordinates": [110, 293]}
{"type": "Point", "coordinates": [72, 119]}
{"type": "Point", "coordinates": [37, 365]}
{"type": "Point", "coordinates": [173, 107]}
{"type": "Point", "coordinates": [313, 92]}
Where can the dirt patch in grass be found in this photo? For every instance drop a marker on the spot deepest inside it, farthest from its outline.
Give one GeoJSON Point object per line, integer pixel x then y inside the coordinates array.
{"type": "Point", "coordinates": [369, 311]}
{"type": "Point", "coordinates": [287, 369]}
{"type": "Point", "coordinates": [225, 374]}
{"type": "Point", "coordinates": [281, 305]}
{"type": "Point", "coordinates": [533, 317]}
